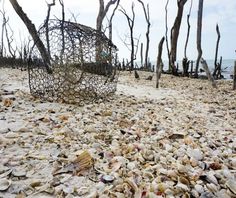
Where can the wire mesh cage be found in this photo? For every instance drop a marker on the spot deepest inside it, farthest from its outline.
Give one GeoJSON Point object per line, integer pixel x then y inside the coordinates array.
{"type": "Point", "coordinates": [82, 64]}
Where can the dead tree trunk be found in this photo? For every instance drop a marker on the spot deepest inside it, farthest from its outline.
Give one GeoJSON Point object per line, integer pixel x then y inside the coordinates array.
{"type": "Point", "coordinates": [46, 26]}
{"type": "Point", "coordinates": [208, 73]}
{"type": "Point", "coordinates": [141, 54]}
{"type": "Point", "coordinates": [185, 61]}
{"type": "Point", "coordinates": [110, 30]}
{"type": "Point", "coordinates": [147, 17]}
{"type": "Point", "coordinates": [166, 36]}
{"type": "Point", "coordinates": [199, 36]}
{"type": "Point", "coordinates": [33, 32]}
{"type": "Point", "coordinates": [217, 70]}
{"type": "Point", "coordinates": [62, 29]}
{"type": "Point", "coordinates": [102, 12]}
{"type": "Point", "coordinates": [234, 84]}
{"type": "Point", "coordinates": [159, 64]}
{"type": "Point", "coordinates": [175, 35]}
{"type": "Point", "coordinates": [101, 15]}
{"type": "Point", "coordinates": [131, 28]}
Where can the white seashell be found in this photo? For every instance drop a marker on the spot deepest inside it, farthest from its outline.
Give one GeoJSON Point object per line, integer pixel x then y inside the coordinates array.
{"type": "Point", "coordinates": [231, 185]}
{"type": "Point", "coordinates": [212, 187]}
{"type": "Point", "coordinates": [131, 165]}
{"type": "Point", "coordinates": [195, 153]}
{"type": "Point", "coordinates": [107, 178]}
{"type": "Point", "coordinates": [199, 188]}
{"type": "Point", "coordinates": [181, 168]}
{"type": "Point", "coordinates": [222, 193]}
{"type": "Point", "coordinates": [232, 162]}
{"type": "Point", "coordinates": [194, 193]}
{"type": "Point", "coordinates": [211, 178]}
{"type": "Point", "coordinates": [182, 187]}
{"type": "Point", "coordinates": [4, 184]}
{"type": "Point", "coordinates": [19, 173]}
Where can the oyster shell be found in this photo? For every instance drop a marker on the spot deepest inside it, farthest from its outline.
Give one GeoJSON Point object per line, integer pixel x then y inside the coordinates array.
{"type": "Point", "coordinates": [4, 184]}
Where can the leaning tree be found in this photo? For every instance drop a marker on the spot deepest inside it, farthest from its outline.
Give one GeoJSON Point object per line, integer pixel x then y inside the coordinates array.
{"type": "Point", "coordinates": [33, 32]}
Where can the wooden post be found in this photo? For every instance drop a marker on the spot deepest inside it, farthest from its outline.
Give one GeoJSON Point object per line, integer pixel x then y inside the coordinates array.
{"type": "Point", "coordinates": [159, 64]}
{"type": "Point", "coordinates": [208, 73]}
{"type": "Point", "coordinates": [234, 86]}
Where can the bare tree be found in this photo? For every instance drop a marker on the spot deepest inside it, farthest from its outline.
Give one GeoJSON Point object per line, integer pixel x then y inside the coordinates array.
{"type": "Point", "coordinates": [33, 32]}
{"type": "Point", "coordinates": [166, 34]}
{"type": "Point", "coordinates": [185, 61]}
{"type": "Point", "coordinates": [188, 30]}
{"type": "Point", "coordinates": [62, 28]}
{"type": "Point", "coordinates": [4, 23]}
{"type": "Point", "coordinates": [102, 12]}
{"type": "Point", "coordinates": [199, 36]}
{"type": "Point", "coordinates": [159, 64]}
{"type": "Point", "coordinates": [46, 26]}
{"type": "Point", "coordinates": [147, 17]}
{"type": "Point", "coordinates": [9, 35]}
{"type": "Point", "coordinates": [10, 39]}
{"type": "Point", "coordinates": [217, 70]}
{"type": "Point", "coordinates": [175, 34]}
{"type": "Point", "coordinates": [110, 29]}
{"type": "Point", "coordinates": [130, 21]}
{"type": "Point", "coordinates": [111, 18]}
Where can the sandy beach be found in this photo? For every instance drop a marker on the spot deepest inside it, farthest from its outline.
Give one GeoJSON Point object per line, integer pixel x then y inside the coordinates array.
{"type": "Point", "coordinates": [175, 141]}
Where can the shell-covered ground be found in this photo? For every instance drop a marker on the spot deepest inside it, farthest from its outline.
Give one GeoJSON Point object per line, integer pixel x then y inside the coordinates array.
{"type": "Point", "coordinates": [175, 141]}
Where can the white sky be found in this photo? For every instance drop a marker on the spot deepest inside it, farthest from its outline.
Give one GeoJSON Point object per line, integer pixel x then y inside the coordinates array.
{"type": "Point", "coordinates": [222, 12]}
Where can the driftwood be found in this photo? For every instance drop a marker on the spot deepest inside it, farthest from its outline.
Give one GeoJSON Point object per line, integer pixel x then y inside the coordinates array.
{"type": "Point", "coordinates": [234, 86]}
{"type": "Point", "coordinates": [159, 65]}
{"type": "Point", "coordinates": [208, 73]}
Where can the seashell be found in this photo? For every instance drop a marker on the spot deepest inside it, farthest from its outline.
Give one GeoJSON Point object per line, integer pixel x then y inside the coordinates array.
{"type": "Point", "coordinates": [35, 183]}
{"type": "Point", "coordinates": [181, 168]}
{"type": "Point", "coordinates": [5, 174]}
{"type": "Point", "coordinates": [133, 185]}
{"type": "Point", "coordinates": [194, 193]}
{"type": "Point", "coordinates": [232, 162]}
{"type": "Point", "coordinates": [231, 185]}
{"type": "Point", "coordinates": [176, 136]}
{"type": "Point", "coordinates": [107, 178]}
{"type": "Point", "coordinates": [84, 161]}
{"type": "Point", "coordinates": [183, 180]}
{"type": "Point", "coordinates": [215, 166]}
{"type": "Point", "coordinates": [182, 187]}
{"type": "Point", "coordinates": [4, 184]}
{"type": "Point", "coordinates": [223, 193]}
{"type": "Point", "coordinates": [131, 165]}
{"type": "Point", "coordinates": [211, 178]}
{"type": "Point", "coordinates": [195, 153]}
{"type": "Point", "coordinates": [199, 188]}
{"type": "Point", "coordinates": [207, 194]}
{"type": "Point", "coordinates": [193, 162]}
{"type": "Point", "coordinates": [212, 187]}
{"type": "Point", "coordinates": [3, 169]}
{"type": "Point", "coordinates": [19, 173]}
